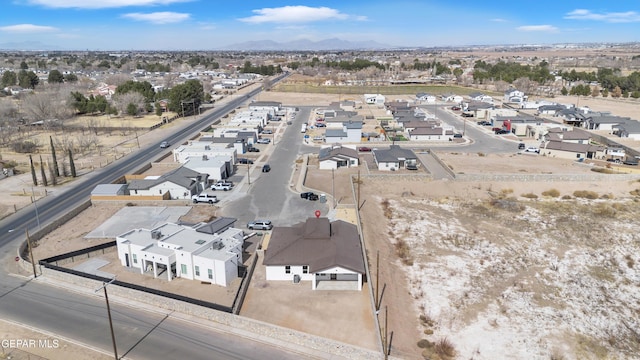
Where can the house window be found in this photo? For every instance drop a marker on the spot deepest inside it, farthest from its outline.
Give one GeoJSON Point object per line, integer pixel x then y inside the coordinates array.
{"type": "Point", "coordinates": [210, 273]}
{"type": "Point", "coordinates": [287, 269]}
{"type": "Point", "coordinates": [197, 270]}
{"type": "Point", "coordinates": [578, 156]}
{"type": "Point", "coordinates": [305, 269]}
{"type": "Point", "coordinates": [183, 268]}
{"type": "Point", "coordinates": [135, 258]}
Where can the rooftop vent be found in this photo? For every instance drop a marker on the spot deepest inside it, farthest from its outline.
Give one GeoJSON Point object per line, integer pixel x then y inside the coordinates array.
{"type": "Point", "coordinates": [156, 234]}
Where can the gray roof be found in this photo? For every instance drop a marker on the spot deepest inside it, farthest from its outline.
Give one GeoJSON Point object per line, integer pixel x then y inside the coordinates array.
{"type": "Point", "coordinates": [607, 119]}
{"type": "Point", "coordinates": [339, 151]}
{"type": "Point", "coordinates": [108, 189]}
{"type": "Point", "coordinates": [631, 127]}
{"type": "Point", "coordinates": [427, 131]}
{"type": "Point", "coordinates": [182, 176]}
{"type": "Point", "coordinates": [335, 133]}
{"type": "Point", "coordinates": [318, 243]}
{"type": "Point", "coordinates": [217, 226]}
{"type": "Point", "coordinates": [394, 153]}
{"type": "Point", "coordinates": [572, 147]}
{"type": "Point", "coordinates": [576, 134]}
{"type": "Point", "coordinates": [265, 104]}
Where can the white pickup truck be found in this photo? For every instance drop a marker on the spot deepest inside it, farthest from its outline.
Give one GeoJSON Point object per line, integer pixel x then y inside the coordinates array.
{"type": "Point", "coordinates": [204, 197]}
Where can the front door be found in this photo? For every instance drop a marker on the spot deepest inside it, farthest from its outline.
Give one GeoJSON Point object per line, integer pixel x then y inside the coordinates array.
{"type": "Point", "coordinates": [334, 276]}
{"type": "Point", "coordinates": [126, 259]}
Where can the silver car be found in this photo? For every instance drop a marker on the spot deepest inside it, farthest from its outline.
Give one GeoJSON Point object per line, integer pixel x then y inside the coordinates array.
{"type": "Point", "coordinates": [260, 225]}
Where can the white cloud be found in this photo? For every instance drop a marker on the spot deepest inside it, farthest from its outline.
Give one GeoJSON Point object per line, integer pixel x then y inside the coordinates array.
{"type": "Point", "coordinates": [297, 14]}
{"type": "Point", "coordinates": [615, 17]}
{"type": "Point", "coordinates": [27, 28]}
{"type": "Point", "coordinates": [100, 4]}
{"type": "Point", "coordinates": [538, 28]}
{"type": "Point", "coordinates": [164, 17]}
{"type": "Point", "coordinates": [498, 20]}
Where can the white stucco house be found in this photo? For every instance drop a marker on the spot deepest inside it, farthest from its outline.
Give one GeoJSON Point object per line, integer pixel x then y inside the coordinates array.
{"type": "Point", "coordinates": [205, 252]}
{"type": "Point", "coordinates": [176, 184]}
{"type": "Point", "coordinates": [203, 148]}
{"type": "Point", "coordinates": [334, 157]}
{"type": "Point", "coordinates": [345, 132]}
{"type": "Point", "coordinates": [377, 99]}
{"type": "Point", "coordinates": [218, 168]}
{"type": "Point", "coordinates": [394, 158]}
{"type": "Point", "coordinates": [328, 254]}
{"type": "Point", "coordinates": [514, 96]}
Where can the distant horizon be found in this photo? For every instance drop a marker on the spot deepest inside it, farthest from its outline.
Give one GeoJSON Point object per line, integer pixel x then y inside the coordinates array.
{"type": "Point", "coordinates": [353, 47]}
{"type": "Point", "coordinates": [184, 25]}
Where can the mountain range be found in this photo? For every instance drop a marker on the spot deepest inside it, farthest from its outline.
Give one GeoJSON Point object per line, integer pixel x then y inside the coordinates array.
{"type": "Point", "coordinates": [301, 45]}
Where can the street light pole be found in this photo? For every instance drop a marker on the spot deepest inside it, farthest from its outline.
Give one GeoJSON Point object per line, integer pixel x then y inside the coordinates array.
{"type": "Point", "coordinates": [106, 298]}
{"type": "Point", "coordinates": [35, 204]}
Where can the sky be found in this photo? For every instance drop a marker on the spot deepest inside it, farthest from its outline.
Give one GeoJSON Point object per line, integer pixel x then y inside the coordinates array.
{"type": "Point", "coordinates": [214, 24]}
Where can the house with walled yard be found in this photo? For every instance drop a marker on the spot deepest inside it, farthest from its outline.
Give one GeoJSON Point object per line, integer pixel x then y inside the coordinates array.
{"type": "Point", "coordinates": [334, 157]}
{"type": "Point", "coordinates": [209, 253]}
{"type": "Point", "coordinates": [328, 254]}
{"type": "Point", "coordinates": [394, 158]}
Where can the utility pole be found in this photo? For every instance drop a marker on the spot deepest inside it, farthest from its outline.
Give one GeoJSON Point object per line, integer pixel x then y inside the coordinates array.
{"type": "Point", "coordinates": [333, 192]}
{"type": "Point", "coordinates": [33, 260]}
{"type": "Point", "coordinates": [386, 333]}
{"type": "Point", "coordinates": [377, 278]}
{"type": "Point", "coordinates": [35, 204]}
{"type": "Point", "coordinates": [358, 190]}
{"type": "Point", "coordinates": [249, 172]}
{"type": "Point", "coordinates": [106, 298]}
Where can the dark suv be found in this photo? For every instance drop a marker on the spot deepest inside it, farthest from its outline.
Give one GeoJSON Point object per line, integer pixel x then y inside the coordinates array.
{"type": "Point", "coordinates": [309, 196]}
{"type": "Point", "coordinates": [266, 168]}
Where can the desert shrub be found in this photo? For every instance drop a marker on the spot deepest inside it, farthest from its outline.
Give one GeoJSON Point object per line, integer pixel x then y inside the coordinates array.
{"type": "Point", "coordinates": [566, 197]}
{"type": "Point", "coordinates": [529, 196]}
{"type": "Point", "coordinates": [630, 261]}
{"type": "Point", "coordinates": [403, 251]}
{"type": "Point", "coordinates": [603, 170]}
{"type": "Point", "coordinates": [585, 194]}
{"type": "Point", "coordinates": [386, 208]}
{"type": "Point", "coordinates": [424, 343]}
{"type": "Point", "coordinates": [604, 210]}
{"type": "Point", "coordinates": [481, 154]}
{"type": "Point", "coordinates": [607, 196]}
{"type": "Point", "coordinates": [24, 147]}
{"type": "Point", "coordinates": [635, 192]}
{"type": "Point", "coordinates": [551, 193]}
{"type": "Point", "coordinates": [506, 191]}
{"type": "Point", "coordinates": [444, 347]}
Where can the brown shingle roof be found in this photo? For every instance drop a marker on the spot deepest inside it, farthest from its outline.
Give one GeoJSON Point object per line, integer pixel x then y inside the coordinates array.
{"type": "Point", "coordinates": [318, 243]}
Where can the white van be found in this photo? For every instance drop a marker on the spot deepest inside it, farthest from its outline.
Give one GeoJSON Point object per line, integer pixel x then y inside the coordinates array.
{"type": "Point", "coordinates": [303, 129]}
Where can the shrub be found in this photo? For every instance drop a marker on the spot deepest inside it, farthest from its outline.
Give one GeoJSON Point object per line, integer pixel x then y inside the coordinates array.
{"type": "Point", "coordinates": [404, 252]}
{"type": "Point", "coordinates": [444, 347]}
{"type": "Point", "coordinates": [635, 192]}
{"type": "Point", "coordinates": [585, 194]}
{"type": "Point", "coordinates": [551, 193]}
{"type": "Point", "coordinates": [424, 344]}
{"type": "Point", "coordinates": [24, 147]}
{"type": "Point", "coordinates": [529, 196]}
{"type": "Point", "coordinates": [566, 197]}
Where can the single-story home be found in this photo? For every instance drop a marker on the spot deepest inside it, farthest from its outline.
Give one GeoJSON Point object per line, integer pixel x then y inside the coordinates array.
{"type": "Point", "coordinates": [335, 157]}
{"type": "Point", "coordinates": [574, 151]}
{"type": "Point", "coordinates": [179, 183]}
{"type": "Point", "coordinates": [329, 254]}
{"type": "Point", "coordinates": [394, 158]}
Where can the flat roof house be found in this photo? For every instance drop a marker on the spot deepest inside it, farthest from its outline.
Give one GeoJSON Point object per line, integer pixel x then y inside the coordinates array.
{"type": "Point", "coordinates": [205, 252]}
{"type": "Point", "coordinates": [329, 254]}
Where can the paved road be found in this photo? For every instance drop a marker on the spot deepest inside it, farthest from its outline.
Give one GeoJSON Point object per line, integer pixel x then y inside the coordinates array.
{"type": "Point", "coordinates": [139, 334]}
{"type": "Point", "coordinates": [270, 196]}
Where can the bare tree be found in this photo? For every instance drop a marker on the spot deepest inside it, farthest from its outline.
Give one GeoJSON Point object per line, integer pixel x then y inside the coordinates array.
{"type": "Point", "coordinates": [48, 104]}
{"type": "Point", "coordinates": [8, 109]}
{"type": "Point", "coordinates": [121, 101]}
{"type": "Point", "coordinates": [117, 79]}
{"type": "Point", "coordinates": [170, 80]}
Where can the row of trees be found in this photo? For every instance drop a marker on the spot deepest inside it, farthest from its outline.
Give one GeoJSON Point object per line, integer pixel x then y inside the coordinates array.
{"type": "Point", "coordinates": [267, 70]}
{"type": "Point", "coordinates": [509, 72]}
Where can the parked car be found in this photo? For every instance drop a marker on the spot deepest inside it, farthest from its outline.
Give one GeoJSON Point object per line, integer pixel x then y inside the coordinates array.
{"type": "Point", "coordinates": [267, 131]}
{"type": "Point", "coordinates": [264, 141]}
{"type": "Point", "coordinates": [617, 161]}
{"type": "Point", "coordinates": [457, 135]}
{"type": "Point", "coordinates": [495, 129]}
{"type": "Point", "coordinates": [225, 182]}
{"type": "Point", "coordinates": [456, 108]}
{"type": "Point", "coordinates": [318, 138]}
{"type": "Point", "coordinates": [484, 123]}
{"type": "Point", "coordinates": [252, 149]}
{"type": "Point", "coordinates": [204, 197]}
{"type": "Point", "coordinates": [502, 132]}
{"type": "Point", "coordinates": [309, 196]}
{"type": "Point", "coordinates": [320, 125]}
{"type": "Point", "coordinates": [630, 161]}
{"type": "Point", "coordinates": [266, 168]}
{"type": "Point", "coordinates": [364, 149]}
{"type": "Point", "coordinates": [245, 161]}
{"type": "Point", "coordinates": [260, 225]}
{"type": "Point", "coordinates": [467, 114]}
{"type": "Point", "coordinates": [521, 146]}
{"type": "Point", "coordinates": [412, 167]}
{"type": "Point", "coordinates": [221, 186]}
{"type": "Point", "coordinates": [532, 149]}
{"type": "Point", "coordinates": [164, 144]}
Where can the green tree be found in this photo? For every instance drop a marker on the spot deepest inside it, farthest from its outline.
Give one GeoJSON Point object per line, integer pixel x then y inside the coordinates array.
{"type": "Point", "coordinates": [9, 78]}
{"type": "Point", "coordinates": [132, 109]}
{"type": "Point", "coordinates": [43, 175]}
{"type": "Point", "coordinates": [190, 94]}
{"type": "Point", "coordinates": [71, 78]}
{"type": "Point", "coordinates": [55, 76]}
{"type": "Point", "coordinates": [27, 79]}
{"type": "Point", "coordinates": [564, 91]}
{"type": "Point", "coordinates": [24, 65]}
{"type": "Point", "coordinates": [143, 87]}
{"type": "Point", "coordinates": [33, 172]}
{"type": "Point", "coordinates": [158, 109]}
{"type": "Point", "coordinates": [56, 170]}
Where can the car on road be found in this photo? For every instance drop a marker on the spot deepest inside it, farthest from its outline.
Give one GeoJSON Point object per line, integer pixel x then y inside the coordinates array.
{"type": "Point", "coordinates": [252, 149]}
{"type": "Point", "coordinates": [502, 132]}
{"type": "Point", "coordinates": [266, 168]}
{"type": "Point", "coordinates": [484, 123]}
{"type": "Point", "coordinates": [204, 197]}
{"type": "Point", "coordinates": [221, 186]}
{"type": "Point", "coordinates": [260, 225]}
{"type": "Point", "coordinates": [521, 146]}
{"type": "Point", "coordinates": [457, 136]}
{"type": "Point", "coordinates": [532, 149]}
{"type": "Point", "coordinates": [164, 144]}
{"type": "Point", "coordinates": [267, 131]}
{"type": "Point", "coordinates": [264, 141]}
{"type": "Point", "coordinates": [309, 196]}
{"type": "Point", "coordinates": [289, 123]}
{"type": "Point", "coordinates": [364, 149]}
{"type": "Point", "coordinates": [245, 161]}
